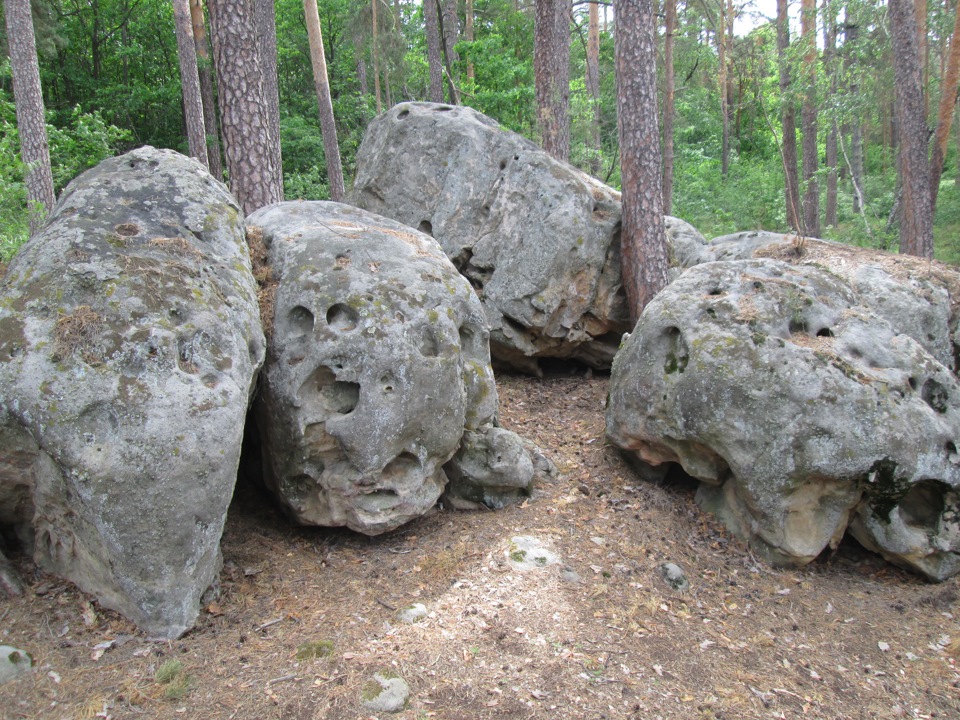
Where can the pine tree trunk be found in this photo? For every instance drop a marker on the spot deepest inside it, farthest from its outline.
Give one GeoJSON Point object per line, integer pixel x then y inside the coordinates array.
{"type": "Point", "coordinates": [449, 38]}
{"type": "Point", "coordinates": [829, 59]}
{"type": "Point", "coordinates": [851, 34]}
{"type": "Point", "coordinates": [808, 119]}
{"type": "Point", "coordinates": [375, 50]}
{"type": "Point", "coordinates": [592, 81]}
{"type": "Point", "coordinates": [205, 72]}
{"type": "Point", "coordinates": [190, 82]}
{"type": "Point", "coordinates": [669, 95]}
{"type": "Point", "coordinates": [788, 122]}
{"type": "Point", "coordinates": [948, 101]}
{"type": "Point", "coordinates": [328, 125]}
{"type": "Point", "coordinates": [31, 124]}
{"type": "Point", "coordinates": [267, 32]}
{"type": "Point", "coordinates": [644, 261]}
{"type": "Point", "coordinates": [431, 21]}
{"type": "Point", "coordinates": [916, 216]}
{"type": "Point", "coordinates": [551, 69]}
{"type": "Point", "coordinates": [253, 163]}
{"type": "Point", "coordinates": [721, 36]}
{"type": "Point", "coordinates": [468, 36]}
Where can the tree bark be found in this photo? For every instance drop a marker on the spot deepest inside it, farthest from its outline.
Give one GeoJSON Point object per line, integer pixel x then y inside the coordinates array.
{"type": "Point", "coordinates": [829, 60]}
{"type": "Point", "coordinates": [916, 217]}
{"type": "Point", "coordinates": [551, 70]}
{"type": "Point", "coordinates": [375, 51]}
{"type": "Point", "coordinates": [948, 101]}
{"type": "Point", "coordinates": [431, 21]}
{"type": "Point", "coordinates": [267, 32]}
{"type": "Point", "coordinates": [592, 80]}
{"type": "Point", "coordinates": [205, 74]}
{"type": "Point", "coordinates": [445, 15]}
{"type": "Point", "coordinates": [721, 36]}
{"type": "Point", "coordinates": [328, 125]}
{"type": "Point", "coordinates": [669, 102]}
{"type": "Point", "coordinates": [190, 82]}
{"type": "Point", "coordinates": [253, 163]}
{"type": "Point", "coordinates": [31, 123]}
{"type": "Point", "coordinates": [851, 34]}
{"type": "Point", "coordinates": [791, 184]}
{"type": "Point", "coordinates": [808, 119]}
{"type": "Point", "coordinates": [468, 36]}
{"type": "Point", "coordinates": [643, 245]}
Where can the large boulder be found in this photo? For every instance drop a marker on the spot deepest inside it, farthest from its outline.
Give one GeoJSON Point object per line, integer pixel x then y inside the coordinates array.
{"type": "Point", "coordinates": [918, 298]}
{"type": "Point", "coordinates": [538, 239]}
{"type": "Point", "coordinates": [798, 408]}
{"type": "Point", "coordinates": [129, 343]}
{"type": "Point", "coordinates": [377, 364]}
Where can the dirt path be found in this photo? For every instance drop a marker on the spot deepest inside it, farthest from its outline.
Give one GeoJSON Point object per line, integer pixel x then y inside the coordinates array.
{"type": "Point", "coordinates": [598, 635]}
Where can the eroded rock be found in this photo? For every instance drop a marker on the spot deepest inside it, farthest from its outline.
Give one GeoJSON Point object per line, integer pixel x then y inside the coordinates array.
{"type": "Point", "coordinates": [798, 408]}
{"type": "Point", "coordinates": [129, 343]}
{"type": "Point", "coordinates": [378, 363]}
{"type": "Point", "coordinates": [538, 239]}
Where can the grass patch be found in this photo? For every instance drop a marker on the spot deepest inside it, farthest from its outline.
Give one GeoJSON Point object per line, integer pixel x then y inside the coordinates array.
{"type": "Point", "coordinates": [174, 680]}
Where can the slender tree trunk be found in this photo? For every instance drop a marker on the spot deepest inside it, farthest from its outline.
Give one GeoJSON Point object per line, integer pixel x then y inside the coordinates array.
{"type": "Point", "coordinates": [468, 36]}
{"type": "Point", "coordinates": [451, 35]}
{"type": "Point", "coordinates": [592, 81]}
{"type": "Point", "coordinates": [851, 34]}
{"type": "Point", "coordinates": [948, 101]}
{"type": "Point", "coordinates": [551, 68]}
{"type": "Point", "coordinates": [916, 217]}
{"type": "Point", "coordinates": [328, 125]}
{"type": "Point", "coordinates": [375, 50]}
{"type": "Point", "coordinates": [431, 20]}
{"type": "Point", "coordinates": [643, 244]}
{"type": "Point", "coordinates": [669, 90]}
{"type": "Point", "coordinates": [31, 124]}
{"type": "Point", "coordinates": [190, 82]}
{"type": "Point", "coordinates": [267, 33]}
{"type": "Point", "coordinates": [829, 58]}
{"type": "Point", "coordinates": [205, 73]}
{"type": "Point", "coordinates": [788, 121]}
{"type": "Point", "coordinates": [253, 163]}
{"type": "Point", "coordinates": [446, 47]}
{"type": "Point", "coordinates": [808, 118]}
{"type": "Point", "coordinates": [920, 8]}
{"type": "Point", "coordinates": [721, 36]}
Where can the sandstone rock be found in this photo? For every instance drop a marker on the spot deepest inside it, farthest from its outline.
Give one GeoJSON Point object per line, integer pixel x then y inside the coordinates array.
{"type": "Point", "coordinates": [918, 298]}
{"type": "Point", "coordinates": [492, 468]}
{"type": "Point", "coordinates": [385, 692]}
{"type": "Point", "coordinates": [378, 364]}
{"type": "Point", "coordinates": [797, 408]}
{"type": "Point", "coordinates": [13, 663]}
{"type": "Point", "coordinates": [129, 343]}
{"type": "Point", "coordinates": [538, 239]}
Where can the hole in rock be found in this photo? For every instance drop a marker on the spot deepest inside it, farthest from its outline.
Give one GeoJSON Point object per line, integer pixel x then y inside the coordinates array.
{"type": "Point", "coordinates": [715, 292]}
{"type": "Point", "coordinates": [127, 229]}
{"type": "Point", "coordinates": [677, 354]}
{"type": "Point", "coordinates": [824, 332]}
{"type": "Point", "coordinates": [462, 259]}
{"type": "Point", "coordinates": [426, 227]}
{"type": "Point", "coordinates": [335, 396]}
{"type": "Point", "coordinates": [797, 326]}
{"type": "Point", "coordinates": [951, 448]}
{"type": "Point", "coordinates": [402, 114]}
{"type": "Point", "coordinates": [301, 321]}
{"type": "Point", "coordinates": [503, 164]}
{"type": "Point", "coordinates": [388, 383]}
{"type": "Point", "coordinates": [468, 338]}
{"type": "Point", "coordinates": [401, 468]}
{"type": "Point", "coordinates": [443, 108]}
{"type": "Point", "coordinates": [923, 504]}
{"type": "Point", "coordinates": [429, 347]}
{"type": "Point", "coordinates": [935, 395]}
{"type": "Point", "coordinates": [912, 382]}
{"type": "Point", "coordinates": [342, 317]}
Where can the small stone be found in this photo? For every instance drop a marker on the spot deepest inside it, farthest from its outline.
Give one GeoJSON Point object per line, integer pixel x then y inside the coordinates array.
{"type": "Point", "coordinates": [412, 613]}
{"type": "Point", "coordinates": [13, 663]}
{"type": "Point", "coordinates": [385, 692]}
{"type": "Point", "coordinates": [568, 574]}
{"type": "Point", "coordinates": [675, 577]}
{"type": "Point", "coordinates": [528, 553]}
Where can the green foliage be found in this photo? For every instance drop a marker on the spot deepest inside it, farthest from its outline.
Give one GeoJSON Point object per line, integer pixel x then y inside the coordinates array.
{"type": "Point", "coordinates": [174, 680]}
{"type": "Point", "coordinates": [83, 142]}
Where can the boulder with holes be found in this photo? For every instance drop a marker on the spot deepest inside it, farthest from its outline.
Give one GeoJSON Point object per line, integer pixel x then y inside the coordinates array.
{"type": "Point", "coordinates": [377, 365]}
{"type": "Point", "coordinates": [537, 238]}
{"type": "Point", "coordinates": [918, 298]}
{"type": "Point", "coordinates": [130, 340]}
{"type": "Point", "coordinates": [800, 410]}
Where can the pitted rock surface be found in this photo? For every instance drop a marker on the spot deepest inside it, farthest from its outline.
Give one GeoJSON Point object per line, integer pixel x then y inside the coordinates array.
{"type": "Point", "coordinates": [537, 238]}
{"type": "Point", "coordinates": [130, 340]}
{"type": "Point", "coordinates": [378, 363]}
{"type": "Point", "coordinates": [798, 409]}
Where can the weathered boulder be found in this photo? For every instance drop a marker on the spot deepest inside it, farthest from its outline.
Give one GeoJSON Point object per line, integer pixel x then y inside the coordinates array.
{"type": "Point", "coordinates": [377, 364]}
{"type": "Point", "coordinates": [918, 298]}
{"type": "Point", "coordinates": [129, 343]}
{"type": "Point", "coordinates": [538, 239]}
{"type": "Point", "coordinates": [797, 408]}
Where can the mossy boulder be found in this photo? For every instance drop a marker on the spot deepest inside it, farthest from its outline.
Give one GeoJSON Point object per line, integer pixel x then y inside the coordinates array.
{"type": "Point", "coordinates": [801, 411]}
{"type": "Point", "coordinates": [130, 341]}
{"type": "Point", "coordinates": [377, 365]}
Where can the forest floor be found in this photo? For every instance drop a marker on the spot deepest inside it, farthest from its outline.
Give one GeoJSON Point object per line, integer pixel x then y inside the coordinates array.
{"type": "Point", "coordinates": [598, 635]}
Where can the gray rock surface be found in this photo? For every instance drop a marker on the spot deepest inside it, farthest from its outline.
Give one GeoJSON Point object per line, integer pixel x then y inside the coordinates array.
{"type": "Point", "coordinates": [798, 409]}
{"type": "Point", "coordinates": [13, 663]}
{"type": "Point", "coordinates": [492, 468]}
{"type": "Point", "coordinates": [129, 343]}
{"type": "Point", "coordinates": [675, 577]}
{"type": "Point", "coordinates": [917, 298]}
{"type": "Point", "coordinates": [538, 239]}
{"type": "Point", "coordinates": [378, 363]}
{"type": "Point", "coordinates": [385, 692]}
